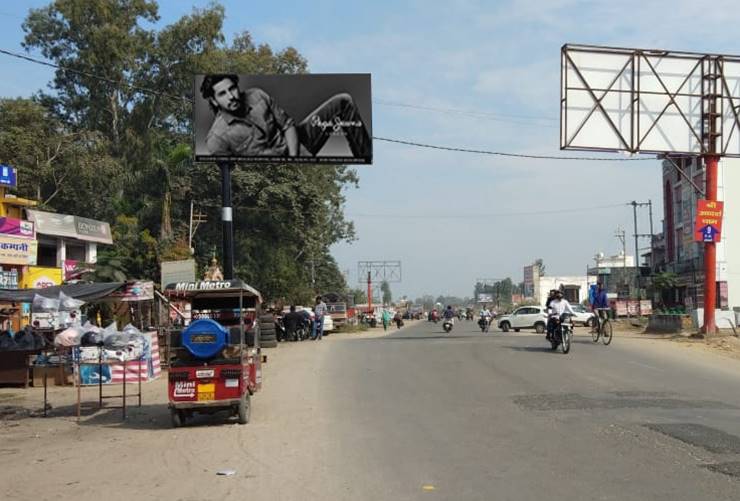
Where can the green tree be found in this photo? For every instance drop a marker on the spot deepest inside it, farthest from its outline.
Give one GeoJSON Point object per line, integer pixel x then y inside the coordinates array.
{"type": "Point", "coordinates": [285, 216]}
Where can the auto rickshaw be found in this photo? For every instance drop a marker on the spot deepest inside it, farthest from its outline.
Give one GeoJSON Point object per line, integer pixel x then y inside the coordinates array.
{"type": "Point", "coordinates": [215, 362]}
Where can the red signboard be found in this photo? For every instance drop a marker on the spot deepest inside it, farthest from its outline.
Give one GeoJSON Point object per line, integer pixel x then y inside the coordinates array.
{"type": "Point", "coordinates": [708, 227]}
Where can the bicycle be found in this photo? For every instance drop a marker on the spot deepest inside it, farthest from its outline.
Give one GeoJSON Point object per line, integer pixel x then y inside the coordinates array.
{"type": "Point", "coordinates": [603, 326]}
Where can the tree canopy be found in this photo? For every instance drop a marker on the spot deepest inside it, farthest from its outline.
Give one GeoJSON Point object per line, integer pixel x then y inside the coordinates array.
{"type": "Point", "coordinates": [110, 139]}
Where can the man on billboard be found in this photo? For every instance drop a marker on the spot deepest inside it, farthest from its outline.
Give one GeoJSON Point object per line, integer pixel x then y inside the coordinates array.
{"type": "Point", "coordinates": [250, 123]}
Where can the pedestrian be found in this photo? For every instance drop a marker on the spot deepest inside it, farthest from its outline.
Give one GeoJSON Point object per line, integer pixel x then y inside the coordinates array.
{"type": "Point", "coordinates": [318, 325]}
{"type": "Point", "coordinates": [386, 316]}
{"type": "Point", "coordinates": [398, 319]}
{"type": "Point", "coordinates": [292, 321]}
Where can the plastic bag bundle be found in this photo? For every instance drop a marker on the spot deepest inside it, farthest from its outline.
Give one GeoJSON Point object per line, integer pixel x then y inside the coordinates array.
{"type": "Point", "coordinates": [43, 304]}
{"type": "Point", "coordinates": [91, 338]}
{"type": "Point", "coordinates": [67, 303]}
{"type": "Point", "coordinates": [69, 337]}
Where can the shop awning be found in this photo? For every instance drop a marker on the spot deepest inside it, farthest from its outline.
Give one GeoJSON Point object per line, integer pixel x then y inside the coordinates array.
{"type": "Point", "coordinates": [62, 225]}
{"type": "Point", "coordinates": [84, 291]}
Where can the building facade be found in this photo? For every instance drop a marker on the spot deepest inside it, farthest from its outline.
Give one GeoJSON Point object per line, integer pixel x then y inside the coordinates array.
{"type": "Point", "coordinates": [677, 251]}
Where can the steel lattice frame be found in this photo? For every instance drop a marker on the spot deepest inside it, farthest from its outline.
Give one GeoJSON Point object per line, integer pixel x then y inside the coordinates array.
{"type": "Point", "coordinates": [649, 101]}
{"type": "Point", "coordinates": [389, 271]}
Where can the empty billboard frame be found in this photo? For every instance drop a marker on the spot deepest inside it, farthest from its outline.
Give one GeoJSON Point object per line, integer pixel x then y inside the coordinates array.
{"type": "Point", "coordinates": [649, 101]}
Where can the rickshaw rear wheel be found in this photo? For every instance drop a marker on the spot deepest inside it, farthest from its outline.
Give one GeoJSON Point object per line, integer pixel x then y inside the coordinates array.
{"type": "Point", "coordinates": [245, 408]}
{"type": "Point", "coordinates": [178, 419]}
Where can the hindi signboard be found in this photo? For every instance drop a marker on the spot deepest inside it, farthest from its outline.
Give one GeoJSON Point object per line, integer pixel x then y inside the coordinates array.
{"type": "Point", "coordinates": [708, 225]}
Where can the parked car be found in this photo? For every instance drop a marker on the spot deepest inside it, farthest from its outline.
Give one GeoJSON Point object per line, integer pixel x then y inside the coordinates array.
{"type": "Point", "coordinates": [328, 324]}
{"type": "Point", "coordinates": [526, 317]}
{"type": "Point", "coordinates": [582, 316]}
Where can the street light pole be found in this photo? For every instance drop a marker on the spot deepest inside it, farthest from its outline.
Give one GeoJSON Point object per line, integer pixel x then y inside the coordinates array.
{"type": "Point", "coordinates": [227, 219]}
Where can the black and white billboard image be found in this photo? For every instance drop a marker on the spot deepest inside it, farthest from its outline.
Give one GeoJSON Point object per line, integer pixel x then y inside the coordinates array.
{"type": "Point", "coordinates": [312, 118]}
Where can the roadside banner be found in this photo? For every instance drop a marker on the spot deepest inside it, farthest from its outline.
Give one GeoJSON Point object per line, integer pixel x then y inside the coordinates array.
{"type": "Point", "coordinates": [708, 226]}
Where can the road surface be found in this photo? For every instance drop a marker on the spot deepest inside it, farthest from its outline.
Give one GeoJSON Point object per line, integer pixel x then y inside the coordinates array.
{"type": "Point", "coordinates": [417, 414]}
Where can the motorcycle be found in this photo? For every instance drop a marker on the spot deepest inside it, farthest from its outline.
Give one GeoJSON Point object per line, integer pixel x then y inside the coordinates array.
{"type": "Point", "coordinates": [447, 325]}
{"type": "Point", "coordinates": [483, 323]}
{"type": "Point", "coordinates": [562, 333]}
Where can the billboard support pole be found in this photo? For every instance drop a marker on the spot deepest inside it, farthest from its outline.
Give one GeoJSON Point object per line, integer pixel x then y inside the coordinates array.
{"type": "Point", "coordinates": [369, 293]}
{"type": "Point", "coordinates": [710, 253]}
{"type": "Point", "coordinates": [227, 219]}
{"type": "Point", "coordinates": [710, 75]}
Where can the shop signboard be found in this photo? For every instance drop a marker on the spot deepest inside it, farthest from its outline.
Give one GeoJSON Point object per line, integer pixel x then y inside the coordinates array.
{"type": "Point", "coordinates": [307, 118]}
{"type": "Point", "coordinates": [63, 225]}
{"type": "Point", "coordinates": [8, 176]}
{"type": "Point", "coordinates": [9, 279]}
{"type": "Point", "coordinates": [708, 226]}
{"type": "Point", "coordinates": [73, 269]}
{"type": "Point", "coordinates": [39, 277]}
{"type": "Point", "coordinates": [17, 227]}
{"type": "Point", "coordinates": [178, 271]}
{"type": "Point", "coordinates": [20, 251]}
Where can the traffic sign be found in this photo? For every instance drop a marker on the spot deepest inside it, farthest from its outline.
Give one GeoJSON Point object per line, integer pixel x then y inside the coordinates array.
{"type": "Point", "coordinates": [8, 176]}
{"type": "Point", "coordinates": [708, 226]}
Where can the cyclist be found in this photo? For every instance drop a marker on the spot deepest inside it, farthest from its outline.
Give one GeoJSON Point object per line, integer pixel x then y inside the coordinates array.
{"type": "Point", "coordinates": [600, 305]}
{"type": "Point", "coordinates": [558, 307]}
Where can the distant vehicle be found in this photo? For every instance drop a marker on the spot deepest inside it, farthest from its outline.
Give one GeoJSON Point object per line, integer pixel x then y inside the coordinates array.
{"type": "Point", "coordinates": [582, 316]}
{"type": "Point", "coordinates": [526, 317]}
{"type": "Point", "coordinates": [338, 313]}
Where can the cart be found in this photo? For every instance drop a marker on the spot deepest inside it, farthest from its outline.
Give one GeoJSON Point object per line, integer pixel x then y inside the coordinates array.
{"type": "Point", "coordinates": [215, 363]}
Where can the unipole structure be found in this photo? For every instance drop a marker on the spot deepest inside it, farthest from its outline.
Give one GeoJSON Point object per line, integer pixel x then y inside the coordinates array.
{"type": "Point", "coordinates": [227, 219]}
{"type": "Point", "coordinates": [369, 293]}
{"type": "Point", "coordinates": [711, 160]}
{"type": "Point", "coordinates": [710, 253]}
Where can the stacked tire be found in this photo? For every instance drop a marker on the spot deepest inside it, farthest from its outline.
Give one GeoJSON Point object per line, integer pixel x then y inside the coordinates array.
{"type": "Point", "coordinates": [268, 335]}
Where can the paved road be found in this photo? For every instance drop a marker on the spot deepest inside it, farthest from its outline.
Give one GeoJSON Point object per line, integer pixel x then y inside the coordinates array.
{"type": "Point", "coordinates": [500, 416]}
{"type": "Point", "coordinates": [417, 414]}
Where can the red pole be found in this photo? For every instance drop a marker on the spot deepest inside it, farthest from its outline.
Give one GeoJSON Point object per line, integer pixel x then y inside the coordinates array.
{"type": "Point", "coordinates": [369, 294]}
{"type": "Point", "coordinates": [710, 253]}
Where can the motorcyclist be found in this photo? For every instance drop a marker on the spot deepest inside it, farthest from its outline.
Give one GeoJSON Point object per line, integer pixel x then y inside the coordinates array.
{"type": "Point", "coordinates": [449, 314]}
{"type": "Point", "coordinates": [557, 308]}
{"type": "Point", "coordinates": [485, 316]}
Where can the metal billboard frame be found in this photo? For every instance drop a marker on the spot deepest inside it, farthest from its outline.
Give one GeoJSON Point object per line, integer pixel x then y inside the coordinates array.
{"type": "Point", "coordinates": [388, 271]}
{"type": "Point", "coordinates": [696, 99]}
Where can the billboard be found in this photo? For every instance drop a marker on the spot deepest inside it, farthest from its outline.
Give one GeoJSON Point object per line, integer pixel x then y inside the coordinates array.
{"type": "Point", "coordinates": [648, 101]}
{"type": "Point", "coordinates": [319, 118]}
{"type": "Point", "coordinates": [39, 277]}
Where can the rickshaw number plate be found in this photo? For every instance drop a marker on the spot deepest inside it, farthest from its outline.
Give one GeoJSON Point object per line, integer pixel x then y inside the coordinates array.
{"type": "Point", "coordinates": [207, 391]}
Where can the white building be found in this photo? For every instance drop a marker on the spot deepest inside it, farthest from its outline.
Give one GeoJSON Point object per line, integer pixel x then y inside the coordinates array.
{"type": "Point", "coordinates": [617, 261]}
{"type": "Point", "coordinates": [575, 288]}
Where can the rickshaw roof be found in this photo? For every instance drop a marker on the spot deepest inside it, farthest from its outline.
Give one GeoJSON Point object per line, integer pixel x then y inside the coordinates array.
{"type": "Point", "coordinates": [211, 287]}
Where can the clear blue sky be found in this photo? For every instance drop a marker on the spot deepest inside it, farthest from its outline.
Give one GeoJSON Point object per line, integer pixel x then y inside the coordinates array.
{"type": "Point", "coordinates": [496, 57]}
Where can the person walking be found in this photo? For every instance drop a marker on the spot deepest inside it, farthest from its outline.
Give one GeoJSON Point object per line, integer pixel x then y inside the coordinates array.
{"type": "Point", "coordinates": [386, 317]}
{"type": "Point", "coordinates": [318, 325]}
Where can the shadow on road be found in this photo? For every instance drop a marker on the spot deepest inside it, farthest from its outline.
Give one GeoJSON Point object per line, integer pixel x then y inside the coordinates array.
{"type": "Point", "coordinates": [448, 337]}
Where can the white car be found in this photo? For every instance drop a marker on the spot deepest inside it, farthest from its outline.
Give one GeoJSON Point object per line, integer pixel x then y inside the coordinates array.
{"type": "Point", "coordinates": [582, 316]}
{"type": "Point", "coordinates": [328, 323]}
{"type": "Point", "coordinates": [526, 317]}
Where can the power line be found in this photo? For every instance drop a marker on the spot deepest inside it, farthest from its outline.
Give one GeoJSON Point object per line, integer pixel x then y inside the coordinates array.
{"type": "Point", "coordinates": [146, 90]}
{"type": "Point", "coordinates": [505, 154]}
{"type": "Point", "coordinates": [497, 117]}
{"type": "Point", "coordinates": [487, 216]}
{"type": "Point", "coordinates": [138, 88]}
